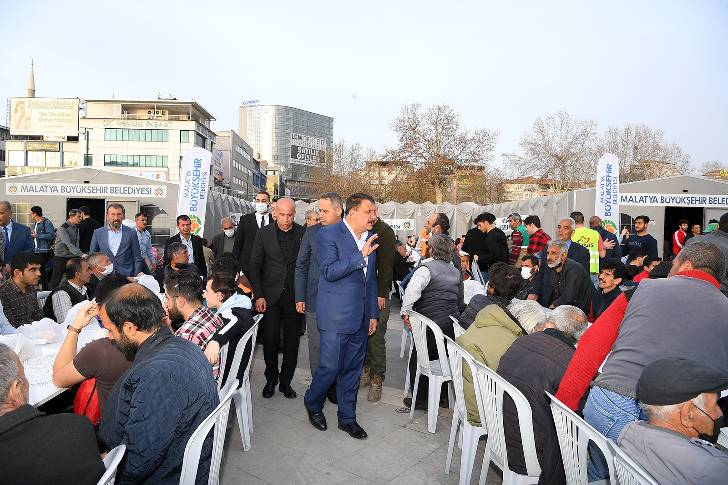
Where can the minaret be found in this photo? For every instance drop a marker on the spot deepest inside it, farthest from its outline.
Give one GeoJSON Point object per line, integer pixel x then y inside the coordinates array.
{"type": "Point", "coordinates": [31, 82]}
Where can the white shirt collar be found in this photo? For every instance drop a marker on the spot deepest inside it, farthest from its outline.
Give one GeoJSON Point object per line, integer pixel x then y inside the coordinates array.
{"type": "Point", "coordinates": [363, 234]}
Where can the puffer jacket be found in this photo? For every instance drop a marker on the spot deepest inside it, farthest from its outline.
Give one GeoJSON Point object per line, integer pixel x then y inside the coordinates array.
{"type": "Point", "coordinates": [156, 406]}
{"type": "Point", "coordinates": [534, 364]}
{"type": "Point", "coordinates": [487, 339]}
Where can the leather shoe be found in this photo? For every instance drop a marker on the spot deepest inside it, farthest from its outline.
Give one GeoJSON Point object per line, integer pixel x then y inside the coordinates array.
{"type": "Point", "coordinates": [287, 391]}
{"type": "Point", "coordinates": [317, 420]}
{"type": "Point", "coordinates": [332, 395]}
{"type": "Point", "coordinates": [269, 390]}
{"type": "Point", "coordinates": [354, 430]}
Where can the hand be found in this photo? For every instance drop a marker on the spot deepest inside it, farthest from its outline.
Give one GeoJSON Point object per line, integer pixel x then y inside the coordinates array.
{"type": "Point", "coordinates": [532, 297]}
{"type": "Point", "coordinates": [625, 232]}
{"type": "Point", "coordinates": [407, 321]}
{"type": "Point", "coordinates": [372, 326]}
{"type": "Point", "coordinates": [85, 314]}
{"type": "Point", "coordinates": [260, 305]}
{"type": "Point", "coordinates": [212, 352]}
{"type": "Point", "coordinates": [609, 244]}
{"type": "Point", "coordinates": [369, 246]}
{"type": "Point", "coordinates": [140, 274]}
{"type": "Point", "coordinates": [381, 302]}
{"type": "Point", "coordinates": [301, 306]}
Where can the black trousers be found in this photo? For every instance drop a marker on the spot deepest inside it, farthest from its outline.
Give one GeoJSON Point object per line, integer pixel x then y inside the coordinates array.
{"type": "Point", "coordinates": [59, 267]}
{"type": "Point", "coordinates": [281, 318]}
{"type": "Point", "coordinates": [422, 389]}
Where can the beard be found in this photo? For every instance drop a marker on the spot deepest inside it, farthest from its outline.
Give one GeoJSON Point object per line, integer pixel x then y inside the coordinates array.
{"type": "Point", "coordinates": [126, 346]}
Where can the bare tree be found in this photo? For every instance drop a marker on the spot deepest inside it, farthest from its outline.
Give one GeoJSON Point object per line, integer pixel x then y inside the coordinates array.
{"type": "Point", "coordinates": [558, 147]}
{"type": "Point", "coordinates": [342, 169]}
{"type": "Point", "coordinates": [713, 166]}
{"type": "Point", "coordinates": [434, 143]}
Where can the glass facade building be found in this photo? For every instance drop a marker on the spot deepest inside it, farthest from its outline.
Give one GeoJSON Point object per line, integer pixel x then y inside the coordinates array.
{"type": "Point", "coordinates": [289, 139]}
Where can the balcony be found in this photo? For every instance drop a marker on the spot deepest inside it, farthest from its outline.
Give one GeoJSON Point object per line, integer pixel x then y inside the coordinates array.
{"type": "Point", "coordinates": [161, 117]}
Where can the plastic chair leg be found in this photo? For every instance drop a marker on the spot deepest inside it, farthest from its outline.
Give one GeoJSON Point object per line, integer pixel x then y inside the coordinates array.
{"type": "Point", "coordinates": [486, 465]}
{"type": "Point", "coordinates": [467, 457]}
{"type": "Point", "coordinates": [249, 400]}
{"type": "Point", "coordinates": [414, 393]}
{"type": "Point", "coordinates": [433, 402]}
{"type": "Point", "coordinates": [403, 343]}
{"type": "Point", "coordinates": [241, 405]}
{"type": "Point", "coordinates": [451, 444]}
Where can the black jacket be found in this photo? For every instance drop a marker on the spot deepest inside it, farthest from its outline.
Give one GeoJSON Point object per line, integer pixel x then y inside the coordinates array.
{"type": "Point", "coordinates": [73, 294]}
{"type": "Point", "coordinates": [577, 253]}
{"type": "Point", "coordinates": [571, 286]}
{"type": "Point", "coordinates": [218, 244]}
{"type": "Point", "coordinates": [58, 449]}
{"type": "Point", "coordinates": [268, 267]}
{"type": "Point", "coordinates": [197, 252]}
{"type": "Point", "coordinates": [86, 230]}
{"type": "Point", "coordinates": [401, 267]}
{"type": "Point", "coordinates": [536, 363]}
{"type": "Point", "coordinates": [244, 239]}
{"type": "Point", "coordinates": [233, 328]}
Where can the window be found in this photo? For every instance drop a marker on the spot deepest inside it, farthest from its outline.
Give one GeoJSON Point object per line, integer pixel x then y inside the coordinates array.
{"type": "Point", "coordinates": [199, 140]}
{"type": "Point", "coordinates": [88, 160]}
{"type": "Point", "coordinates": [148, 161]}
{"type": "Point", "coordinates": [184, 136]}
{"type": "Point", "coordinates": [124, 134]}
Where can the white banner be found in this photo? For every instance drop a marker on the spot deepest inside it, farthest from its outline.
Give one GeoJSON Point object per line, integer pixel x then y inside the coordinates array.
{"type": "Point", "coordinates": [675, 200]}
{"type": "Point", "coordinates": [194, 184]}
{"type": "Point", "coordinates": [400, 224]}
{"type": "Point", "coordinates": [606, 204]}
{"type": "Point", "coordinates": [86, 190]}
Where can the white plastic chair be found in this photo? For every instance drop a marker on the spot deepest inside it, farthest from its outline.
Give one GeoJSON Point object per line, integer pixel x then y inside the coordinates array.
{"type": "Point", "coordinates": [193, 449]}
{"type": "Point", "coordinates": [42, 296]}
{"type": "Point", "coordinates": [242, 398]}
{"type": "Point", "coordinates": [456, 327]}
{"type": "Point", "coordinates": [111, 462]}
{"type": "Point", "coordinates": [470, 435]}
{"type": "Point", "coordinates": [574, 436]}
{"type": "Point", "coordinates": [492, 388]}
{"type": "Point", "coordinates": [406, 335]}
{"type": "Point", "coordinates": [628, 472]}
{"type": "Point", "coordinates": [436, 371]}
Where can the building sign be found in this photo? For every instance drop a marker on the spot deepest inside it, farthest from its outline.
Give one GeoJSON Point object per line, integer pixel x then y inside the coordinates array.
{"type": "Point", "coordinates": [606, 204]}
{"type": "Point", "coordinates": [307, 150]}
{"type": "Point", "coordinates": [86, 190]}
{"type": "Point", "coordinates": [400, 224]}
{"type": "Point", "coordinates": [56, 117]}
{"type": "Point", "coordinates": [148, 124]}
{"type": "Point", "coordinates": [675, 200]}
{"type": "Point", "coordinates": [194, 186]}
{"type": "Point", "coordinates": [42, 146]}
{"type": "Point", "coordinates": [250, 102]}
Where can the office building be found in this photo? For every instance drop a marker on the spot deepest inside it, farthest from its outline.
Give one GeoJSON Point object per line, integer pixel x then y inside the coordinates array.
{"type": "Point", "coordinates": [291, 140]}
{"type": "Point", "coordinates": [242, 174]}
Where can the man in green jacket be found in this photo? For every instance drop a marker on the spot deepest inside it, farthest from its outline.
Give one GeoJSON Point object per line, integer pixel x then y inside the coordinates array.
{"type": "Point", "coordinates": [375, 364]}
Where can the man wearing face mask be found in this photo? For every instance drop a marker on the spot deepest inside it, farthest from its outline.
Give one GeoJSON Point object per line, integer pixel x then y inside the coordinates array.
{"type": "Point", "coordinates": [247, 229]}
{"type": "Point", "coordinates": [225, 241]}
{"type": "Point", "coordinates": [101, 267]}
{"type": "Point", "coordinates": [563, 281]}
{"type": "Point", "coordinates": [676, 443]}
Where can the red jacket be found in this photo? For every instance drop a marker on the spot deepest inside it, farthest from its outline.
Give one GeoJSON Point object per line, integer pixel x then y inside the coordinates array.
{"type": "Point", "coordinates": [678, 240]}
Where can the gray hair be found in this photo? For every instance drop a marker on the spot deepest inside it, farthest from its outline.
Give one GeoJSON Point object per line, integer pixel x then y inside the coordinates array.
{"type": "Point", "coordinates": [515, 216]}
{"type": "Point", "coordinates": [7, 205]}
{"type": "Point", "coordinates": [656, 412]}
{"type": "Point", "coordinates": [175, 248]}
{"type": "Point", "coordinates": [73, 212]}
{"type": "Point", "coordinates": [226, 219]}
{"type": "Point", "coordinates": [311, 212]}
{"type": "Point", "coordinates": [704, 256]}
{"type": "Point", "coordinates": [529, 313]}
{"type": "Point", "coordinates": [555, 243]}
{"type": "Point", "coordinates": [334, 198]}
{"type": "Point", "coordinates": [572, 222]}
{"type": "Point", "coordinates": [569, 320]}
{"type": "Point", "coordinates": [9, 370]}
{"type": "Point", "coordinates": [440, 247]}
{"type": "Point", "coordinates": [93, 259]}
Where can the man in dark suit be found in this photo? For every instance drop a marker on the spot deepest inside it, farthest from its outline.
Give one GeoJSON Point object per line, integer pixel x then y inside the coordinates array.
{"type": "Point", "coordinates": [561, 281]}
{"type": "Point", "coordinates": [347, 311]}
{"type": "Point", "coordinates": [225, 241]}
{"type": "Point", "coordinates": [272, 269]}
{"type": "Point", "coordinates": [118, 242]}
{"type": "Point", "coordinates": [193, 243]}
{"type": "Point", "coordinates": [16, 236]}
{"type": "Point", "coordinates": [564, 230]}
{"type": "Point", "coordinates": [247, 229]}
{"type": "Point", "coordinates": [86, 229]}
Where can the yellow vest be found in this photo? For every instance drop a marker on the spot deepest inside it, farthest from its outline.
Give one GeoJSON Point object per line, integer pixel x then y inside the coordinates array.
{"type": "Point", "coordinates": [589, 238]}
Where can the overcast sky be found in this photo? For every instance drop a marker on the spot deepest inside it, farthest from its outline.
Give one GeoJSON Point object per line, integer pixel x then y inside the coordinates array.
{"type": "Point", "coordinates": [499, 64]}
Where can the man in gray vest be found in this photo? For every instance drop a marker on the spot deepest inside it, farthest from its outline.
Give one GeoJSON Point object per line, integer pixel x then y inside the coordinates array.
{"type": "Point", "coordinates": [660, 322]}
{"type": "Point", "coordinates": [66, 247]}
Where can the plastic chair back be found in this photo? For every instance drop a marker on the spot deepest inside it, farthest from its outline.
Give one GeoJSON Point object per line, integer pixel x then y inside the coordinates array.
{"type": "Point", "coordinates": [629, 472]}
{"type": "Point", "coordinates": [458, 330]}
{"type": "Point", "coordinates": [193, 449]}
{"type": "Point", "coordinates": [459, 358]}
{"type": "Point", "coordinates": [250, 335]}
{"type": "Point", "coordinates": [492, 388]}
{"type": "Point", "coordinates": [420, 337]}
{"type": "Point", "coordinates": [42, 296]}
{"type": "Point", "coordinates": [574, 436]}
{"type": "Point", "coordinates": [111, 462]}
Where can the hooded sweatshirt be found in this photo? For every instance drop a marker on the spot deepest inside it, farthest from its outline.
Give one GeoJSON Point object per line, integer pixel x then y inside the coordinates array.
{"type": "Point", "coordinates": [237, 317]}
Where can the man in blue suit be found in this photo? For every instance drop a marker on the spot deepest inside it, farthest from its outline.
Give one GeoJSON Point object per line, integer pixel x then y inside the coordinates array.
{"type": "Point", "coordinates": [16, 236]}
{"type": "Point", "coordinates": [118, 242]}
{"type": "Point", "coordinates": [346, 311]}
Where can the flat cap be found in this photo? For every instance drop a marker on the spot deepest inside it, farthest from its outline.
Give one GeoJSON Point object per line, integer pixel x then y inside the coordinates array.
{"type": "Point", "coordinates": [677, 380]}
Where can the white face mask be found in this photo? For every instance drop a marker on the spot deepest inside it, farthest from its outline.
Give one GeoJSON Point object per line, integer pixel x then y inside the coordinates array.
{"type": "Point", "coordinates": [229, 232]}
{"type": "Point", "coordinates": [261, 207]}
{"type": "Point", "coordinates": [108, 269]}
{"type": "Point", "coordinates": [525, 273]}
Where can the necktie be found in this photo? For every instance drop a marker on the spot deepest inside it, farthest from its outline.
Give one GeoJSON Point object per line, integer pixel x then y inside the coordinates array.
{"type": "Point", "coordinates": [7, 237]}
{"type": "Point", "coordinates": [263, 221]}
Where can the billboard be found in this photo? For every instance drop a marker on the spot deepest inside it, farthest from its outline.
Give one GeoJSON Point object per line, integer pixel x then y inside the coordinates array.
{"type": "Point", "coordinates": [193, 187]}
{"type": "Point", "coordinates": [51, 117]}
{"type": "Point", "coordinates": [606, 205]}
{"type": "Point", "coordinates": [307, 150]}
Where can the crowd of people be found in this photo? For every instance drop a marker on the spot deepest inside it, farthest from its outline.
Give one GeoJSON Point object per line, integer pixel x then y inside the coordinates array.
{"type": "Point", "coordinates": [586, 315]}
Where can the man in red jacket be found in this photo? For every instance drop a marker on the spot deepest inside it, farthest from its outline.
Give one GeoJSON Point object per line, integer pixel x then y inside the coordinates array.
{"type": "Point", "coordinates": [678, 237]}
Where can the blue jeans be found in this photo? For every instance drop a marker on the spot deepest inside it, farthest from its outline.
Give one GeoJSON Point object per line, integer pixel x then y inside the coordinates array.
{"type": "Point", "coordinates": [608, 412]}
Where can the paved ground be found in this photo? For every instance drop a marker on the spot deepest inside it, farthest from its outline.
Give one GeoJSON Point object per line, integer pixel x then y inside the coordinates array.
{"type": "Point", "coordinates": [286, 449]}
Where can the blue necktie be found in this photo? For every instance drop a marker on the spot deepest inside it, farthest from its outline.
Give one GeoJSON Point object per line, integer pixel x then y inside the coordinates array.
{"type": "Point", "coordinates": [7, 238]}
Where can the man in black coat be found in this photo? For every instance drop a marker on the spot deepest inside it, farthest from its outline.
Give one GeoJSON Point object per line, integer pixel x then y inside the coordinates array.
{"type": "Point", "coordinates": [272, 269]}
{"type": "Point", "coordinates": [35, 448]}
{"type": "Point", "coordinates": [86, 229]}
{"type": "Point", "coordinates": [561, 281]}
{"type": "Point", "coordinates": [192, 242]}
{"type": "Point", "coordinates": [248, 226]}
{"type": "Point", "coordinates": [536, 363]}
{"type": "Point", "coordinates": [491, 249]}
{"type": "Point", "coordinates": [225, 241]}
